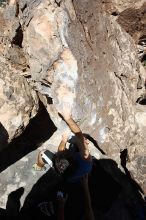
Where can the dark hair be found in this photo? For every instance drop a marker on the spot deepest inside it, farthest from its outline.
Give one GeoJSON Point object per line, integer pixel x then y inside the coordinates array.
{"type": "Point", "coordinates": [65, 157]}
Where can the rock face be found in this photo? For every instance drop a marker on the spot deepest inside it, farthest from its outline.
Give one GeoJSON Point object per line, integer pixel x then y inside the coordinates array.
{"type": "Point", "coordinates": [18, 102]}
{"type": "Point", "coordinates": [77, 55]}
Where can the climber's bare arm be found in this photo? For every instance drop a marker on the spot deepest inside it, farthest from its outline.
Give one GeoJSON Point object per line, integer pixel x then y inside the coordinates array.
{"type": "Point", "coordinates": [63, 142]}
{"type": "Point", "coordinates": [83, 148]}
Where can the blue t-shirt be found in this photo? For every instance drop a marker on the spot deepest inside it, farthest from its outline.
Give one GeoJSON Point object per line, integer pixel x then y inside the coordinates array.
{"type": "Point", "coordinates": [83, 167]}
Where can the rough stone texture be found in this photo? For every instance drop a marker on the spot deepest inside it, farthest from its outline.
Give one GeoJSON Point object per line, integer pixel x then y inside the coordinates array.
{"type": "Point", "coordinates": [133, 21]}
{"type": "Point", "coordinates": [18, 103]}
{"type": "Point", "coordinates": [78, 57]}
{"type": "Point", "coordinates": [98, 80]}
{"type": "Point", "coordinates": [117, 6]}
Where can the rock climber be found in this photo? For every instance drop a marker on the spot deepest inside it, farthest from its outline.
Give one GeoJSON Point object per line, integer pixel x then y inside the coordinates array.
{"type": "Point", "coordinates": [72, 163]}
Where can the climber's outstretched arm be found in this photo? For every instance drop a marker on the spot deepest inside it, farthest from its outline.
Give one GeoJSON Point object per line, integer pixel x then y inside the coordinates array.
{"type": "Point", "coordinates": [63, 142]}
{"type": "Point", "coordinates": [83, 147]}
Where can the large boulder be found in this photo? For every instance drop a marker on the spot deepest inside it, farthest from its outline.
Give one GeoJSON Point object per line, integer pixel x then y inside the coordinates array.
{"type": "Point", "coordinates": [78, 56]}
{"type": "Point", "coordinates": [18, 102]}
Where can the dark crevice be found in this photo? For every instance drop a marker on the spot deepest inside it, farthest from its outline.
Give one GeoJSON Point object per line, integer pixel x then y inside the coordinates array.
{"type": "Point", "coordinates": [27, 76]}
{"type": "Point", "coordinates": [58, 2]}
{"type": "Point", "coordinates": [4, 136]}
{"type": "Point", "coordinates": [115, 13]}
{"type": "Point", "coordinates": [138, 100]}
{"type": "Point", "coordinates": [18, 39]}
{"type": "Point", "coordinates": [143, 60]}
{"type": "Point", "coordinates": [45, 84]}
{"type": "Point", "coordinates": [142, 40]}
{"type": "Point", "coordinates": [139, 83]}
{"type": "Point", "coordinates": [24, 70]}
{"type": "Point", "coordinates": [124, 158]}
{"type": "Point", "coordinates": [24, 7]}
{"type": "Point", "coordinates": [141, 101]}
{"type": "Point", "coordinates": [49, 100]}
{"type": "Point", "coordinates": [17, 9]}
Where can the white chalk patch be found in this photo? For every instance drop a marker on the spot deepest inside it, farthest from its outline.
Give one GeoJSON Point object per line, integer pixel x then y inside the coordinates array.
{"type": "Point", "coordinates": [11, 188]}
{"type": "Point", "coordinates": [100, 102]}
{"type": "Point", "coordinates": [17, 178]}
{"type": "Point", "coordinates": [3, 201]}
{"type": "Point", "coordinates": [102, 135]}
{"type": "Point", "coordinates": [100, 120]}
{"type": "Point", "coordinates": [24, 159]}
{"type": "Point", "coordinates": [63, 27]}
{"type": "Point", "coordinates": [16, 121]}
{"type": "Point", "coordinates": [22, 184]}
{"type": "Point", "coordinates": [93, 119]}
{"type": "Point", "coordinates": [141, 118]}
{"type": "Point", "coordinates": [70, 64]}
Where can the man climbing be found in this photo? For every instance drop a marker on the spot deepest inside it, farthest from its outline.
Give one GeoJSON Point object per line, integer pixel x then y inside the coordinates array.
{"type": "Point", "coordinates": [72, 163]}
